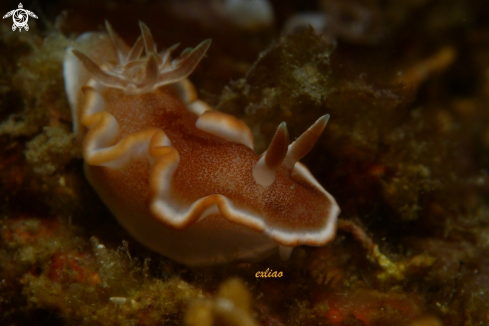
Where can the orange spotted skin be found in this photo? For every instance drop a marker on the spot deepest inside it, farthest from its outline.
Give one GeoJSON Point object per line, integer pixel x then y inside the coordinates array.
{"type": "Point", "coordinates": [182, 178]}
{"type": "Point", "coordinates": [209, 165]}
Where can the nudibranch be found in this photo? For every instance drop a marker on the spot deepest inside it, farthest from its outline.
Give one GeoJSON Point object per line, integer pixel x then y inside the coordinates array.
{"type": "Point", "coordinates": [182, 178]}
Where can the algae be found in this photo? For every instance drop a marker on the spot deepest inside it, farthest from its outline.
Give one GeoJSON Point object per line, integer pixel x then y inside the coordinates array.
{"type": "Point", "coordinates": [406, 154]}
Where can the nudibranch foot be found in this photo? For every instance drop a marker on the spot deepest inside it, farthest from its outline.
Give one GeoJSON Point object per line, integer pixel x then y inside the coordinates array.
{"type": "Point", "coordinates": [285, 252]}
{"type": "Point", "coordinates": [182, 178]}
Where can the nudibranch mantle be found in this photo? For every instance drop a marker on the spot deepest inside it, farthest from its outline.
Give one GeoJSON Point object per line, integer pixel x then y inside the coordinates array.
{"type": "Point", "coordinates": [182, 178]}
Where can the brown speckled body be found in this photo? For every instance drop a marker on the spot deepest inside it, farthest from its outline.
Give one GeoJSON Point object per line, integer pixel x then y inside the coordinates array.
{"type": "Point", "coordinates": [182, 178]}
{"type": "Point", "coordinates": [210, 165]}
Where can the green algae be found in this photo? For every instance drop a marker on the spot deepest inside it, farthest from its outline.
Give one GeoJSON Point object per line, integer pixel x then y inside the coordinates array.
{"type": "Point", "coordinates": [281, 84]}
{"type": "Point", "coordinates": [85, 282]}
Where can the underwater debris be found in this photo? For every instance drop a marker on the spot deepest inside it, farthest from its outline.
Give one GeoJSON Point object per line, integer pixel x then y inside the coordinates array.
{"type": "Point", "coordinates": [392, 270]}
{"type": "Point", "coordinates": [230, 307]}
{"type": "Point", "coordinates": [422, 70]}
